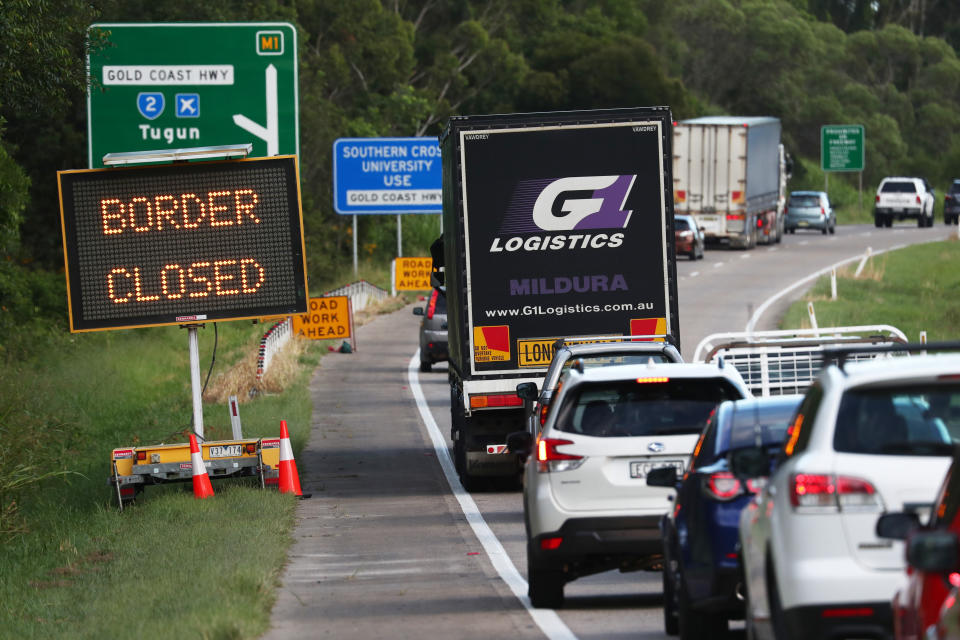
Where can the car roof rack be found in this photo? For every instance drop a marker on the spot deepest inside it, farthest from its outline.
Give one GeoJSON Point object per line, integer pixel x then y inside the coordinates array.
{"type": "Point", "coordinates": [840, 355]}
{"type": "Point", "coordinates": [654, 337]}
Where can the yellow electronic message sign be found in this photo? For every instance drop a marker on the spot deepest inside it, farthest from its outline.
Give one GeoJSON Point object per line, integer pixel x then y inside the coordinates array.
{"type": "Point", "coordinates": [413, 274]}
{"type": "Point", "coordinates": [327, 318]}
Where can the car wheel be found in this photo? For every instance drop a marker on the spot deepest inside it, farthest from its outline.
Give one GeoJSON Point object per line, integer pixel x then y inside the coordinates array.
{"type": "Point", "coordinates": [671, 618]}
{"type": "Point", "coordinates": [877, 222]}
{"type": "Point", "coordinates": [425, 366]}
{"type": "Point", "coordinates": [544, 585]}
{"type": "Point", "coordinates": [824, 231]}
{"type": "Point", "coordinates": [922, 222]}
{"type": "Point", "coordinates": [697, 625]}
{"type": "Point", "coordinates": [833, 229]}
{"type": "Point", "coordinates": [888, 221]}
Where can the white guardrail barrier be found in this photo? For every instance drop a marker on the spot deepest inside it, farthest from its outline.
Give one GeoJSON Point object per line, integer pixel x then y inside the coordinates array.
{"type": "Point", "coordinates": [361, 293]}
{"type": "Point", "coordinates": [271, 343]}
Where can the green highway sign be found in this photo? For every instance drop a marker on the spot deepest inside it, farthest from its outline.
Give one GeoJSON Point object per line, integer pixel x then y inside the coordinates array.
{"type": "Point", "coordinates": [179, 85]}
{"type": "Point", "coordinates": [841, 147]}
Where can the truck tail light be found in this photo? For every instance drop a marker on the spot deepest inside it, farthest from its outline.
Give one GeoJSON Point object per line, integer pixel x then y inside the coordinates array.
{"type": "Point", "coordinates": [251, 447]}
{"type": "Point", "coordinates": [832, 492]}
{"type": "Point", "coordinates": [495, 400]}
{"type": "Point", "coordinates": [550, 460]}
{"type": "Point", "coordinates": [432, 307]}
{"type": "Point", "coordinates": [735, 216]}
{"type": "Point", "coordinates": [141, 455]}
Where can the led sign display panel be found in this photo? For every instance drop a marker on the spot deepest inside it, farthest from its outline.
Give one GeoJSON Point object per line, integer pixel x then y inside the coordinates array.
{"type": "Point", "coordinates": [183, 243]}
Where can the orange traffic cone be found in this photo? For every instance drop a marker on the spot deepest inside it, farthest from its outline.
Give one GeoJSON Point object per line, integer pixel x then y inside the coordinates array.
{"type": "Point", "coordinates": [289, 478]}
{"type": "Point", "coordinates": [201, 481]}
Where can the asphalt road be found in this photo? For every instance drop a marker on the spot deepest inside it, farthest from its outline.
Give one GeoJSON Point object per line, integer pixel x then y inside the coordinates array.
{"type": "Point", "coordinates": [384, 549]}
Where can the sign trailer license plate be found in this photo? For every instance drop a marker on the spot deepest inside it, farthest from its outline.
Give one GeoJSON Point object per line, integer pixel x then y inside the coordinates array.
{"type": "Point", "coordinates": [225, 451]}
{"type": "Point", "coordinates": [640, 469]}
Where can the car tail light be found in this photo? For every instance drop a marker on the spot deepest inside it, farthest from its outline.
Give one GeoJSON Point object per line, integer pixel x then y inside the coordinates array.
{"type": "Point", "coordinates": [550, 460]}
{"type": "Point", "coordinates": [432, 307]}
{"type": "Point", "coordinates": [654, 380]}
{"type": "Point", "coordinates": [919, 200]}
{"type": "Point", "coordinates": [878, 198]}
{"type": "Point", "coordinates": [495, 400]}
{"type": "Point", "coordinates": [947, 197]}
{"type": "Point", "coordinates": [833, 492]}
{"type": "Point", "coordinates": [722, 485]}
{"type": "Point", "coordinates": [823, 212]}
{"type": "Point", "coordinates": [759, 222]}
{"type": "Point", "coordinates": [544, 409]}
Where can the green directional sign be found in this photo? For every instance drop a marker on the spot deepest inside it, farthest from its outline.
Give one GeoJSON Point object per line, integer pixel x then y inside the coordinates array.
{"type": "Point", "coordinates": [180, 85]}
{"type": "Point", "coordinates": [841, 147]}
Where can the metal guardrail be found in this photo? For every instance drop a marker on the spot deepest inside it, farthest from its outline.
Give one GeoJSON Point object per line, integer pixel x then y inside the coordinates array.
{"type": "Point", "coordinates": [787, 361]}
{"type": "Point", "coordinates": [271, 343]}
{"type": "Point", "coordinates": [361, 293]}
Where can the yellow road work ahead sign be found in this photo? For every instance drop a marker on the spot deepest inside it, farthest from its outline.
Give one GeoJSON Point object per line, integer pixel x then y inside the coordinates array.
{"type": "Point", "coordinates": [413, 274]}
{"type": "Point", "coordinates": [327, 318]}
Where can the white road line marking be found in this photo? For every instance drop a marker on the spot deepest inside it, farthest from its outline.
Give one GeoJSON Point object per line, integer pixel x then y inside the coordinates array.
{"type": "Point", "coordinates": [751, 325]}
{"type": "Point", "coordinates": [547, 619]}
{"type": "Point", "coordinates": [803, 242]}
{"type": "Point", "coordinates": [745, 256]}
{"type": "Point", "coordinates": [718, 264]}
{"type": "Point", "coordinates": [694, 274]}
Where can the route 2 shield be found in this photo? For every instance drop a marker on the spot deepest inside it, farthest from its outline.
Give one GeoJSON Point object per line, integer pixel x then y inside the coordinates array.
{"type": "Point", "coordinates": [150, 104]}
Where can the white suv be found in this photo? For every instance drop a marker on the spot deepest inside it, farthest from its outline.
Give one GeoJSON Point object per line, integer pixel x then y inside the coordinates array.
{"type": "Point", "coordinates": [587, 507]}
{"type": "Point", "coordinates": [869, 437]}
{"type": "Point", "coordinates": [899, 198]}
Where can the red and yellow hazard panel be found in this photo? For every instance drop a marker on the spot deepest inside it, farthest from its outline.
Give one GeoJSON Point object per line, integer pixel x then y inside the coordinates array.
{"type": "Point", "coordinates": [491, 344]}
{"type": "Point", "coordinates": [648, 327]}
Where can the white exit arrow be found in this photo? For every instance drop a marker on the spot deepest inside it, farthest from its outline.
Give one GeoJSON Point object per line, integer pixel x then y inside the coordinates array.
{"type": "Point", "coordinates": [270, 133]}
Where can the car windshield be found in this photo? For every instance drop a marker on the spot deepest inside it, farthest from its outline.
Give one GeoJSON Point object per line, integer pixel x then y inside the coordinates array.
{"type": "Point", "coordinates": [804, 201]}
{"type": "Point", "coordinates": [640, 408]}
{"type": "Point", "coordinates": [898, 187]}
{"type": "Point", "coordinates": [916, 420]}
{"type": "Point", "coordinates": [681, 225]}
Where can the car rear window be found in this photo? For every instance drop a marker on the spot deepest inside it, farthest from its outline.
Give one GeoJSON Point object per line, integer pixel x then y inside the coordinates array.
{"type": "Point", "coordinates": [916, 420]}
{"type": "Point", "coordinates": [898, 186]}
{"type": "Point", "coordinates": [681, 225]}
{"type": "Point", "coordinates": [750, 425]}
{"type": "Point", "coordinates": [955, 187]}
{"type": "Point", "coordinates": [804, 201]}
{"type": "Point", "coordinates": [631, 408]}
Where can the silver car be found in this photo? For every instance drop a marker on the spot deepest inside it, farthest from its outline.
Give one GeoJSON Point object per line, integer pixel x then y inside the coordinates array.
{"type": "Point", "coordinates": [810, 210]}
{"type": "Point", "coordinates": [433, 329]}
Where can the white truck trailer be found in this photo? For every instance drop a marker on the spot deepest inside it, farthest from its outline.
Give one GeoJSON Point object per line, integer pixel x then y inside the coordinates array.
{"type": "Point", "coordinates": [729, 174]}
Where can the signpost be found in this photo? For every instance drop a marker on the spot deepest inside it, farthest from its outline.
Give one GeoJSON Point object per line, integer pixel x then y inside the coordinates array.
{"type": "Point", "coordinates": [411, 274]}
{"type": "Point", "coordinates": [386, 175]}
{"type": "Point", "coordinates": [327, 318]}
{"type": "Point", "coordinates": [166, 86]}
{"type": "Point", "coordinates": [842, 149]}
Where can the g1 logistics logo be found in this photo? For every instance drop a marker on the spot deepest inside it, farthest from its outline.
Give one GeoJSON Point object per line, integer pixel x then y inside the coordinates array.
{"type": "Point", "coordinates": [579, 203]}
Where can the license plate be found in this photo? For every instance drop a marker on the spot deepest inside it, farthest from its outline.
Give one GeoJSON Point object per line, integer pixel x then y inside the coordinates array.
{"type": "Point", "coordinates": [640, 469]}
{"type": "Point", "coordinates": [225, 451]}
{"type": "Point", "coordinates": [802, 223]}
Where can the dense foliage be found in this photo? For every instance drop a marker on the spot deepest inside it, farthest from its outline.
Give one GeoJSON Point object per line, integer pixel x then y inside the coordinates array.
{"type": "Point", "coordinates": [401, 67]}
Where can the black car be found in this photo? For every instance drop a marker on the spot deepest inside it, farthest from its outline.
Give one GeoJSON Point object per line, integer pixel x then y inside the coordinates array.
{"type": "Point", "coordinates": [702, 583]}
{"type": "Point", "coordinates": [951, 204]}
{"type": "Point", "coordinates": [433, 329]}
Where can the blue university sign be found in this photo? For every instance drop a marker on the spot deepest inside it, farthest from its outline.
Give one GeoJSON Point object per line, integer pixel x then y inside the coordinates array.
{"type": "Point", "coordinates": [387, 175]}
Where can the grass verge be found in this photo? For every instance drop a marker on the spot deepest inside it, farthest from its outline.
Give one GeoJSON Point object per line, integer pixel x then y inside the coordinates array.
{"type": "Point", "coordinates": [170, 566]}
{"type": "Point", "coordinates": [911, 289]}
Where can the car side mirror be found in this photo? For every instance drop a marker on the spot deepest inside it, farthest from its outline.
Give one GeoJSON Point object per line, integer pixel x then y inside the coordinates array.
{"type": "Point", "coordinates": [521, 443]}
{"type": "Point", "coordinates": [662, 477]}
{"type": "Point", "coordinates": [896, 526]}
{"type": "Point", "coordinates": [753, 462]}
{"type": "Point", "coordinates": [933, 551]}
{"type": "Point", "coordinates": [418, 311]}
{"type": "Point", "coordinates": [527, 390]}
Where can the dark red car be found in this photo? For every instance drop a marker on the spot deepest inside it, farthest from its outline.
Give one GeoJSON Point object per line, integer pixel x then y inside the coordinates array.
{"type": "Point", "coordinates": [933, 559]}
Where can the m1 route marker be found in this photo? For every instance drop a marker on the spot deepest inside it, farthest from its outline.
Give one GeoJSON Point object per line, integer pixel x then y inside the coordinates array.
{"type": "Point", "coordinates": [167, 86]}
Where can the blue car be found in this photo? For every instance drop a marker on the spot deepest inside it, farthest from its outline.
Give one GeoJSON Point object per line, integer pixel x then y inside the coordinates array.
{"type": "Point", "coordinates": [702, 587]}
